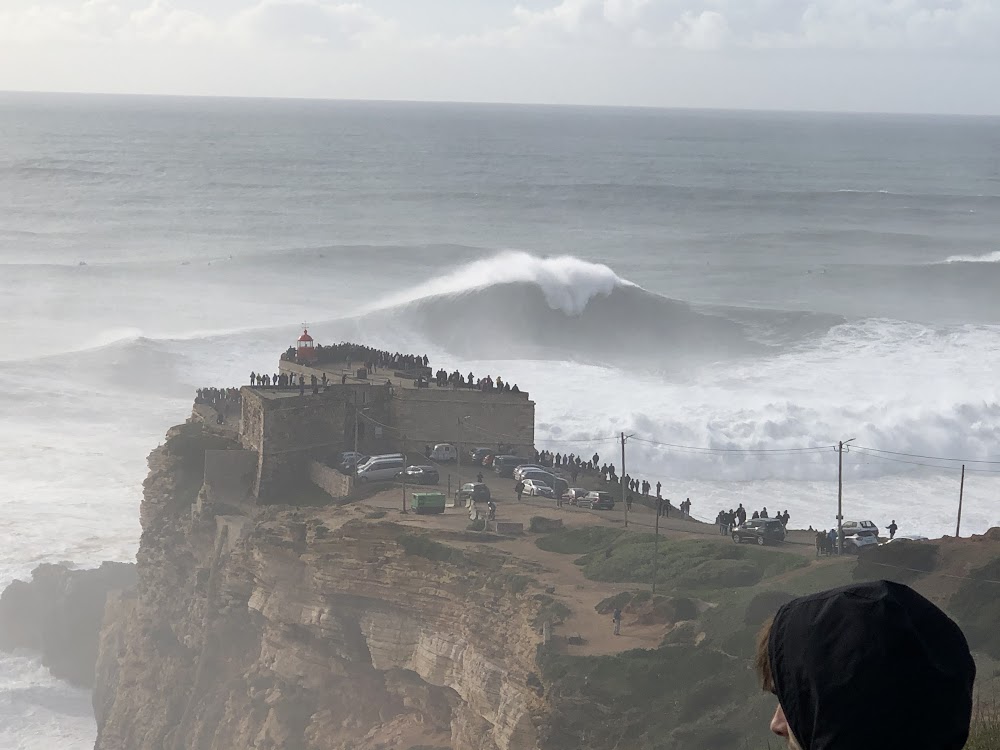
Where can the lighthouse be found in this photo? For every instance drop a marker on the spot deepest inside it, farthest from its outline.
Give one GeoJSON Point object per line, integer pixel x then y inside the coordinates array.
{"type": "Point", "coordinates": [305, 349]}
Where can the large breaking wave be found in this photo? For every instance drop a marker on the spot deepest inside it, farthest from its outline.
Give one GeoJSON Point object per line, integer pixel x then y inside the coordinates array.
{"type": "Point", "coordinates": [517, 305]}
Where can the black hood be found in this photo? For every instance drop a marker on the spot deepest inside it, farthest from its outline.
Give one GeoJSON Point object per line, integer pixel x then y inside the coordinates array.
{"type": "Point", "coordinates": [872, 666]}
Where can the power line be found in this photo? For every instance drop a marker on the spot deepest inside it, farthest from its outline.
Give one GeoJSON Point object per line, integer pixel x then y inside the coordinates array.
{"type": "Point", "coordinates": [922, 463]}
{"type": "Point", "coordinates": [932, 458]}
{"type": "Point", "coordinates": [693, 448]}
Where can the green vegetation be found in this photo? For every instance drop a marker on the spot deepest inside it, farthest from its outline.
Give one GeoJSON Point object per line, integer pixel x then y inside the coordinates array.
{"type": "Point", "coordinates": [901, 561]}
{"type": "Point", "coordinates": [418, 545]}
{"type": "Point", "coordinates": [543, 525]}
{"type": "Point", "coordinates": [669, 698]}
{"type": "Point", "coordinates": [375, 514]}
{"type": "Point", "coordinates": [688, 564]}
{"type": "Point", "coordinates": [985, 729]}
{"type": "Point", "coordinates": [552, 610]}
{"type": "Point", "coordinates": [976, 606]}
{"type": "Point", "coordinates": [579, 541]}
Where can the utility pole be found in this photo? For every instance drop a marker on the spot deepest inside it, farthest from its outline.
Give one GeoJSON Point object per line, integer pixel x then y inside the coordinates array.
{"type": "Point", "coordinates": [355, 437]}
{"type": "Point", "coordinates": [840, 495]}
{"type": "Point", "coordinates": [656, 543]}
{"type": "Point", "coordinates": [961, 491]}
{"type": "Point", "coordinates": [624, 504]}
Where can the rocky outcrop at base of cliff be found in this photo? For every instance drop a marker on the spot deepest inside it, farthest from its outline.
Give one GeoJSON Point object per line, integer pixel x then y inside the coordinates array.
{"type": "Point", "coordinates": [59, 614]}
{"type": "Point", "coordinates": [306, 629]}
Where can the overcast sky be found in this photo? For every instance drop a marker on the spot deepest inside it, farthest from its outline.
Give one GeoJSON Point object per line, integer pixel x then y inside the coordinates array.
{"type": "Point", "coordinates": [859, 55]}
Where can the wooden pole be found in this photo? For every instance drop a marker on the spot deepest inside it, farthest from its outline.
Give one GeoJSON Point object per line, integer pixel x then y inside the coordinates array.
{"type": "Point", "coordinates": [624, 504]}
{"type": "Point", "coordinates": [840, 498]}
{"type": "Point", "coordinates": [656, 543]}
{"type": "Point", "coordinates": [961, 491]}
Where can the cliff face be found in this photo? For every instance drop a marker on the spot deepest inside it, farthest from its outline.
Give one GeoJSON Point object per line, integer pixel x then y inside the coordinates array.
{"type": "Point", "coordinates": [309, 629]}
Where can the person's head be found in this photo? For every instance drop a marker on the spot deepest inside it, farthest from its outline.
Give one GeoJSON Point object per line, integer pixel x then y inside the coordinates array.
{"type": "Point", "coordinates": [876, 650]}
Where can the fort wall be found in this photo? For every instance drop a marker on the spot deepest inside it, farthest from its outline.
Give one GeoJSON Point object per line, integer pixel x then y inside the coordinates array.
{"type": "Point", "coordinates": [288, 431]}
{"type": "Point", "coordinates": [464, 418]}
{"type": "Point", "coordinates": [331, 481]}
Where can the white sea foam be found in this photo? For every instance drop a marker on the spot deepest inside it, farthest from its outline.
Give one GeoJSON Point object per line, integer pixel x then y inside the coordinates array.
{"type": "Point", "coordinates": [993, 257]}
{"type": "Point", "coordinates": [568, 283]}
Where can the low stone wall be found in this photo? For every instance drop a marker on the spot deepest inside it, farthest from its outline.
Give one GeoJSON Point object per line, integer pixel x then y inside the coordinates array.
{"type": "Point", "coordinates": [331, 481]}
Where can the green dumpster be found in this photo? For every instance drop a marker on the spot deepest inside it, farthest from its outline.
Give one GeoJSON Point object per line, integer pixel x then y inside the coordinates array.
{"type": "Point", "coordinates": [427, 502]}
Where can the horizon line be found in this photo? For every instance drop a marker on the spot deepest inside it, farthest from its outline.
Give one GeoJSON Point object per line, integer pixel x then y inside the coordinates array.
{"type": "Point", "coordinates": [498, 103]}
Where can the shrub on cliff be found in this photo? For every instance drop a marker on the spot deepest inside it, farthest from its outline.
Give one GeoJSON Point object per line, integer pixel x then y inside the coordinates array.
{"type": "Point", "coordinates": [689, 563]}
{"type": "Point", "coordinates": [423, 546]}
{"type": "Point", "coordinates": [976, 606]}
{"type": "Point", "coordinates": [543, 525]}
{"type": "Point", "coordinates": [903, 561]}
{"type": "Point", "coordinates": [579, 541]}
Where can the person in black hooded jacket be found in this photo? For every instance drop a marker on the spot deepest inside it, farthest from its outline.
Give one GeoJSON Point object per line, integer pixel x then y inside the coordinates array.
{"type": "Point", "coordinates": [871, 666]}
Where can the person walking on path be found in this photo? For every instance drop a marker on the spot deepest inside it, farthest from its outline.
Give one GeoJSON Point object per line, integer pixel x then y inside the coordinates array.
{"type": "Point", "coordinates": [519, 489]}
{"type": "Point", "coordinates": [892, 529]}
{"type": "Point", "coordinates": [628, 502]}
{"type": "Point", "coordinates": [616, 618]}
{"type": "Point", "coordinates": [872, 649]}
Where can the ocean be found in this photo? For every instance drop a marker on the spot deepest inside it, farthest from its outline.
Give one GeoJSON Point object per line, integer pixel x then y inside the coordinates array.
{"type": "Point", "coordinates": [736, 291]}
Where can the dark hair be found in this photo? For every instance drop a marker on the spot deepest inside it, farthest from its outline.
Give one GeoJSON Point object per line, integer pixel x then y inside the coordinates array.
{"type": "Point", "coordinates": [762, 660]}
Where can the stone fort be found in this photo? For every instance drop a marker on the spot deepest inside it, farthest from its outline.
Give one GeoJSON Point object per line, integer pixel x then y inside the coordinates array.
{"type": "Point", "coordinates": [289, 437]}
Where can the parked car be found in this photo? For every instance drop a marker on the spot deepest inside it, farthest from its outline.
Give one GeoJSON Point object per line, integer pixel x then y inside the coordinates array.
{"type": "Point", "coordinates": [420, 475]}
{"type": "Point", "coordinates": [381, 470]}
{"type": "Point", "coordinates": [474, 490]}
{"type": "Point", "coordinates": [476, 455]}
{"type": "Point", "coordinates": [522, 468]}
{"type": "Point", "coordinates": [857, 542]}
{"type": "Point", "coordinates": [860, 527]}
{"type": "Point", "coordinates": [574, 495]}
{"type": "Point", "coordinates": [347, 460]}
{"type": "Point", "coordinates": [504, 465]}
{"type": "Point", "coordinates": [380, 457]}
{"type": "Point", "coordinates": [598, 501]}
{"type": "Point", "coordinates": [444, 452]}
{"type": "Point", "coordinates": [760, 530]}
{"type": "Point", "coordinates": [537, 487]}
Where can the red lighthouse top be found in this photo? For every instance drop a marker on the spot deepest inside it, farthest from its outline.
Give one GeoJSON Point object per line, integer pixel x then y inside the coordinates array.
{"type": "Point", "coordinates": [305, 350]}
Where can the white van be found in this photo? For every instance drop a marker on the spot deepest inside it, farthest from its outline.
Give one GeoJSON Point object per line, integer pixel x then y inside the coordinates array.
{"type": "Point", "coordinates": [381, 470]}
{"type": "Point", "coordinates": [381, 457]}
{"type": "Point", "coordinates": [444, 452]}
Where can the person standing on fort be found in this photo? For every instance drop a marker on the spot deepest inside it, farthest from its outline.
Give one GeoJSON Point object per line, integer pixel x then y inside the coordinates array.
{"type": "Point", "coordinates": [741, 515]}
{"type": "Point", "coordinates": [892, 529]}
{"type": "Point", "coordinates": [519, 489]}
{"type": "Point", "coordinates": [616, 618]}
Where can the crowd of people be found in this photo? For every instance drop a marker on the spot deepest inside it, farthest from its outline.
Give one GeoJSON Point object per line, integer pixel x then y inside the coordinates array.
{"type": "Point", "coordinates": [223, 400]}
{"type": "Point", "coordinates": [442, 378]}
{"type": "Point", "coordinates": [731, 519]}
{"type": "Point", "coordinates": [369, 357]}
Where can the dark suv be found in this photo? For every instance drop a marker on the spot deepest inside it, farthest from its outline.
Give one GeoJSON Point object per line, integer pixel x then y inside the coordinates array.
{"type": "Point", "coordinates": [760, 530]}
{"type": "Point", "coordinates": [598, 501]}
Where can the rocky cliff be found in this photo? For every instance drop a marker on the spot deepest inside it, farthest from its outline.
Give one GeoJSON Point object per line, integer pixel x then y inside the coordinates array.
{"type": "Point", "coordinates": [316, 629]}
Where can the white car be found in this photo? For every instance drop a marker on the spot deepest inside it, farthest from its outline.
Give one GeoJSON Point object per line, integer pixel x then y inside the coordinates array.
{"type": "Point", "coordinates": [535, 487]}
{"type": "Point", "coordinates": [519, 471]}
{"type": "Point", "coordinates": [857, 542]}
{"type": "Point", "coordinates": [860, 527]}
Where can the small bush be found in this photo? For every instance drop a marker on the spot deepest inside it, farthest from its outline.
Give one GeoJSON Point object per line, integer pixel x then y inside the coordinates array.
{"type": "Point", "coordinates": [618, 601]}
{"type": "Point", "coordinates": [422, 546]}
{"type": "Point", "coordinates": [376, 514]}
{"type": "Point", "coordinates": [976, 606]}
{"type": "Point", "coordinates": [720, 574]}
{"type": "Point", "coordinates": [579, 541]}
{"type": "Point", "coordinates": [543, 525]}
